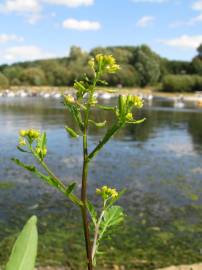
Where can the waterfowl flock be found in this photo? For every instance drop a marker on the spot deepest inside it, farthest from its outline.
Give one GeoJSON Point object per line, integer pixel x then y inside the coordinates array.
{"type": "Point", "coordinates": [179, 101]}
{"type": "Point", "coordinates": [47, 94]}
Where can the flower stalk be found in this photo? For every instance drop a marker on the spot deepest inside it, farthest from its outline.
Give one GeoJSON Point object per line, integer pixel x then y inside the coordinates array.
{"type": "Point", "coordinates": [34, 142]}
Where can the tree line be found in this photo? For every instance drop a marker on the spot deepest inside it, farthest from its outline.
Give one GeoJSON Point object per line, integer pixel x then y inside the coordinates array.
{"type": "Point", "coordinates": [140, 67]}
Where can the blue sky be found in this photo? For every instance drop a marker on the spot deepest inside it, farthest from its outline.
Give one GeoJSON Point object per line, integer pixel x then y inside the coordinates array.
{"type": "Point", "coordinates": [32, 29]}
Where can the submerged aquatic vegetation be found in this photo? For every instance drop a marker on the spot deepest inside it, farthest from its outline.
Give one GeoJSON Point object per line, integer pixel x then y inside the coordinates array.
{"type": "Point", "coordinates": [34, 142]}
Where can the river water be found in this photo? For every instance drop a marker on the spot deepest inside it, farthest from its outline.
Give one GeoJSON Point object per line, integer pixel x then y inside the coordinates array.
{"type": "Point", "coordinates": [159, 162]}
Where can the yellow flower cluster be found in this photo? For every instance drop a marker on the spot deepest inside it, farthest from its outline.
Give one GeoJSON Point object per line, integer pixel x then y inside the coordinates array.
{"type": "Point", "coordinates": [32, 133]}
{"type": "Point", "coordinates": [135, 101]}
{"type": "Point", "coordinates": [104, 63]}
{"type": "Point", "coordinates": [138, 102]}
{"type": "Point", "coordinates": [107, 192]}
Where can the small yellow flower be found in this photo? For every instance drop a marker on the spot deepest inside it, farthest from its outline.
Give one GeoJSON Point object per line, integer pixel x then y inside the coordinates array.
{"type": "Point", "coordinates": [138, 102]}
{"type": "Point", "coordinates": [99, 57]}
{"type": "Point", "coordinates": [22, 142]}
{"type": "Point", "coordinates": [129, 116]}
{"type": "Point", "coordinates": [107, 192]}
{"type": "Point", "coordinates": [91, 63]}
{"type": "Point", "coordinates": [33, 133]}
{"type": "Point", "coordinates": [98, 191]}
{"type": "Point", "coordinates": [104, 188]}
{"type": "Point", "coordinates": [44, 152]}
{"type": "Point", "coordinates": [38, 150]}
{"type": "Point", "coordinates": [105, 63]}
{"type": "Point", "coordinates": [69, 99]}
{"type": "Point", "coordinates": [23, 132]}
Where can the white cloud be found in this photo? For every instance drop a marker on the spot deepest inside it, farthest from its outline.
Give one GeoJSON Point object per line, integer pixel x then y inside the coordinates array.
{"type": "Point", "coordinates": [32, 9]}
{"type": "Point", "coordinates": [185, 41]}
{"type": "Point", "coordinates": [145, 21]}
{"type": "Point", "coordinates": [71, 3]}
{"type": "Point", "coordinates": [6, 38]}
{"type": "Point", "coordinates": [23, 53]}
{"type": "Point", "coordinates": [197, 5]}
{"type": "Point", "coordinates": [20, 6]}
{"type": "Point", "coordinates": [81, 25]}
{"type": "Point", "coordinates": [34, 18]}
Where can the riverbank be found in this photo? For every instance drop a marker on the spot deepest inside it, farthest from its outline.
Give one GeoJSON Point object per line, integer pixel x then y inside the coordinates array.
{"type": "Point", "coordinates": [197, 266]}
{"type": "Point", "coordinates": [103, 92]}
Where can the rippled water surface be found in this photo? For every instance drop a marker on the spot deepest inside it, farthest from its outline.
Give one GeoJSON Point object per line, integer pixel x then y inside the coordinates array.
{"type": "Point", "coordinates": [159, 162]}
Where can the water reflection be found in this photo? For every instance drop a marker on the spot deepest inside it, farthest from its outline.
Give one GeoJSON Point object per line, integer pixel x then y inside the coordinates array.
{"type": "Point", "coordinates": [159, 162]}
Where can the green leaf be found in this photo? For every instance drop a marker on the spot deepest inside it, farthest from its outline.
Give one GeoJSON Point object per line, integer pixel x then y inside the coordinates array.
{"type": "Point", "coordinates": [103, 82]}
{"type": "Point", "coordinates": [22, 150]}
{"type": "Point", "coordinates": [42, 141]}
{"type": "Point", "coordinates": [105, 108]}
{"type": "Point", "coordinates": [92, 212]}
{"type": "Point", "coordinates": [110, 132]}
{"type": "Point", "coordinates": [30, 168]}
{"type": "Point", "coordinates": [51, 181]}
{"type": "Point", "coordinates": [112, 91]}
{"type": "Point", "coordinates": [99, 125]}
{"type": "Point", "coordinates": [71, 132]}
{"type": "Point", "coordinates": [136, 121]}
{"type": "Point", "coordinates": [70, 188]}
{"type": "Point", "coordinates": [24, 251]}
{"type": "Point", "coordinates": [113, 216]}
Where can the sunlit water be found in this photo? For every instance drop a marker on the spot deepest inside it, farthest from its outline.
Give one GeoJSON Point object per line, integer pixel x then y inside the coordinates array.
{"type": "Point", "coordinates": [159, 162]}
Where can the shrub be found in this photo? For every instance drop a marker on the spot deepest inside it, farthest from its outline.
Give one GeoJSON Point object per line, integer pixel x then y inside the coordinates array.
{"type": "Point", "coordinates": [181, 83]}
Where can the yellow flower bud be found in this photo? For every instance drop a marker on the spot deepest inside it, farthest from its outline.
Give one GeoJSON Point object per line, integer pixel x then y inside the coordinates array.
{"type": "Point", "coordinates": [91, 63]}
{"type": "Point", "coordinates": [38, 150]}
{"type": "Point", "coordinates": [23, 132]}
{"type": "Point", "coordinates": [69, 99]}
{"type": "Point", "coordinates": [98, 191]}
{"type": "Point", "coordinates": [104, 188]}
{"type": "Point", "coordinates": [129, 116]}
{"type": "Point", "coordinates": [44, 152]}
{"type": "Point", "coordinates": [22, 142]}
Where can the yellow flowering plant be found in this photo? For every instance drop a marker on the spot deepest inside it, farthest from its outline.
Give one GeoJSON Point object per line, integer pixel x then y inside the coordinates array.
{"type": "Point", "coordinates": [80, 106]}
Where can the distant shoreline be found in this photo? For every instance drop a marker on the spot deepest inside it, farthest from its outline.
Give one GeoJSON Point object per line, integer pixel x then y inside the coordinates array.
{"type": "Point", "coordinates": [113, 91]}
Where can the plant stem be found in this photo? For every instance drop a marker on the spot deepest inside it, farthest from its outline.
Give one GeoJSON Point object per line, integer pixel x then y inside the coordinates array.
{"type": "Point", "coordinates": [84, 209]}
{"type": "Point", "coordinates": [96, 234]}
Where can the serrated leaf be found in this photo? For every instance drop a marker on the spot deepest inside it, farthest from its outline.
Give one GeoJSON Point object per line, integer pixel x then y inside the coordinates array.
{"type": "Point", "coordinates": [24, 251]}
{"type": "Point", "coordinates": [113, 216]}
{"type": "Point", "coordinates": [92, 212]}
{"type": "Point", "coordinates": [71, 132]}
{"type": "Point", "coordinates": [99, 125]}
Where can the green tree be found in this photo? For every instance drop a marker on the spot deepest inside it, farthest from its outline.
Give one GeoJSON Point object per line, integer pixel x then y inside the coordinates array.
{"type": "Point", "coordinates": [32, 76]}
{"type": "Point", "coordinates": [147, 67]}
{"type": "Point", "coordinates": [13, 73]}
{"type": "Point", "coordinates": [199, 50]}
{"type": "Point", "coordinates": [3, 81]}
